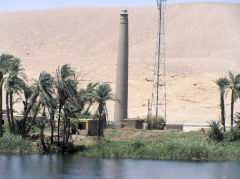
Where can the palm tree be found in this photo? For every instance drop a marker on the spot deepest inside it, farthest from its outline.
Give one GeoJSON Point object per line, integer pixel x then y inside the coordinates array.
{"type": "Point", "coordinates": [13, 84]}
{"type": "Point", "coordinates": [81, 100]}
{"type": "Point", "coordinates": [49, 101]}
{"type": "Point", "coordinates": [84, 100]}
{"type": "Point", "coordinates": [28, 92]}
{"type": "Point", "coordinates": [91, 87]}
{"type": "Point", "coordinates": [222, 85]}
{"type": "Point", "coordinates": [41, 124]}
{"type": "Point", "coordinates": [5, 60]}
{"type": "Point", "coordinates": [52, 106]}
{"type": "Point", "coordinates": [234, 83]}
{"type": "Point", "coordinates": [43, 87]}
{"type": "Point", "coordinates": [69, 111]}
{"type": "Point", "coordinates": [102, 94]}
{"type": "Point", "coordinates": [66, 85]}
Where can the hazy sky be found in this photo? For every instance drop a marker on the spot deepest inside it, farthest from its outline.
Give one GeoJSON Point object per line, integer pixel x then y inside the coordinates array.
{"type": "Point", "coordinates": [19, 5]}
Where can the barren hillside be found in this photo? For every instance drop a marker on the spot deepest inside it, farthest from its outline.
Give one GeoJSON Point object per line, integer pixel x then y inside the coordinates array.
{"type": "Point", "coordinates": [202, 44]}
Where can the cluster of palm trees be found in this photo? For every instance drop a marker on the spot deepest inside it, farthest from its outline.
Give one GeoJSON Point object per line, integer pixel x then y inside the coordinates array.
{"type": "Point", "coordinates": [225, 85]}
{"type": "Point", "coordinates": [51, 96]}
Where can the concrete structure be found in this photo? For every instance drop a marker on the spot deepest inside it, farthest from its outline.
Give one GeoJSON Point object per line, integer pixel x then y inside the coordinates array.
{"type": "Point", "coordinates": [88, 125]}
{"type": "Point", "coordinates": [134, 123]}
{"type": "Point", "coordinates": [174, 127]}
{"type": "Point", "coordinates": [121, 106]}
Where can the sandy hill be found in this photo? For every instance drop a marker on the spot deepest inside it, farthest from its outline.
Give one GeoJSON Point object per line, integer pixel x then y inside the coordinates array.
{"type": "Point", "coordinates": [202, 43]}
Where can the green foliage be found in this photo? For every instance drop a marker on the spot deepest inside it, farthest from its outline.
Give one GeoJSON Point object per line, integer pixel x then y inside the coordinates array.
{"type": "Point", "coordinates": [222, 84]}
{"type": "Point", "coordinates": [6, 129]}
{"type": "Point", "coordinates": [34, 130]}
{"type": "Point", "coordinates": [10, 143]}
{"type": "Point", "coordinates": [101, 95]}
{"type": "Point", "coordinates": [237, 119]}
{"type": "Point", "coordinates": [41, 123]}
{"type": "Point", "coordinates": [215, 132]}
{"type": "Point", "coordinates": [5, 62]}
{"type": "Point", "coordinates": [176, 149]}
{"type": "Point", "coordinates": [66, 83]}
{"type": "Point", "coordinates": [154, 123]}
{"type": "Point", "coordinates": [233, 134]}
{"type": "Point", "coordinates": [136, 144]}
{"type": "Point", "coordinates": [110, 125]}
{"type": "Point", "coordinates": [85, 116]}
{"type": "Point", "coordinates": [14, 82]}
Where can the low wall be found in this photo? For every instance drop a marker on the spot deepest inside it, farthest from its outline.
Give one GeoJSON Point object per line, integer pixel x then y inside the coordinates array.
{"type": "Point", "coordinates": [17, 118]}
{"type": "Point", "coordinates": [189, 128]}
{"type": "Point", "coordinates": [5, 120]}
{"type": "Point", "coordinates": [132, 123]}
{"type": "Point", "coordinates": [177, 127]}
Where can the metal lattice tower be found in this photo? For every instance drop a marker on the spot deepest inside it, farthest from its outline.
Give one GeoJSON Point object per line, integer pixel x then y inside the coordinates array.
{"type": "Point", "coordinates": [158, 102]}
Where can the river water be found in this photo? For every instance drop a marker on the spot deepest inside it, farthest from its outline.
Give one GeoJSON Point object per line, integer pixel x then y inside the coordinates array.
{"type": "Point", "coordinates": [73, 166]}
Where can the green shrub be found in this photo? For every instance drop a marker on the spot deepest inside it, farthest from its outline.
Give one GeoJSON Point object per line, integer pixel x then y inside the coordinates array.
{"type": "Point", "coordinates": [10, 143]}
{"type": "Point", "coordinates": [85, 116]}
{"type": "Point", "coordinates": [34, 130]}
{"type": "Point", "coordinates": [154, 123]}
{"type": "Point", "coordinates": [6, 129]}
{"type": "Point", "coordinates": [136, 144]}
{"type": "Point", "coordinates": [233, 134]}
{"type": "Point", "coordinates": [215, 132]}
{"type": "Point", "coordinates": [110, 125]}
{"type": "Point", "coordinates": [104, 149]}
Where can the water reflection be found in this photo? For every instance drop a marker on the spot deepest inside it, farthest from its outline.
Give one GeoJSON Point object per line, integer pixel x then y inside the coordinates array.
{"type": "Point", "coordinates": [73, 166]}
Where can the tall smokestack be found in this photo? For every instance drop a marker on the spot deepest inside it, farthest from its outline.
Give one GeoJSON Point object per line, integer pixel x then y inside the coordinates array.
{"type": "Point", "coordinates": [121, 106]}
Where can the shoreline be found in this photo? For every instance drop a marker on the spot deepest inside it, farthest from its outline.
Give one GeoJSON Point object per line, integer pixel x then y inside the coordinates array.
{"type": "Point", "coordinates": [144, 145]}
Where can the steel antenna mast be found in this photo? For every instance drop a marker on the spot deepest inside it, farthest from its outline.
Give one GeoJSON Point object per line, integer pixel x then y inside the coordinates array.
{"type": "Point", "coordinates": [158, 101]}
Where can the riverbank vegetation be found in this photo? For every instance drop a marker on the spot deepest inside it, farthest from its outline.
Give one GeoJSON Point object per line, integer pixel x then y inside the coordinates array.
{"type": "Point", "coordinates": [189, 146]}
{"type": "Point", "coordinates": [12, 144]}
{"type": "Point", "coordinates": [138, 144]}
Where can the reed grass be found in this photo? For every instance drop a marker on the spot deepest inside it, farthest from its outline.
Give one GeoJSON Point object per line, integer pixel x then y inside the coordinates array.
{"type": "Point", "coordinates": [182, 146]}
{"type": "Point", "coordinates": [13, 144]}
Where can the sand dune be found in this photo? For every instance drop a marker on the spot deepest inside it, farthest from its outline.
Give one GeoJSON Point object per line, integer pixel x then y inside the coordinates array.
{"type": "Point", "coordinates": [202, 43]}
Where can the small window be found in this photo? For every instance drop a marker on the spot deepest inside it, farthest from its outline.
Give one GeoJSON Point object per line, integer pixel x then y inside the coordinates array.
{"type": "Point", "coordinates": [82, 126]}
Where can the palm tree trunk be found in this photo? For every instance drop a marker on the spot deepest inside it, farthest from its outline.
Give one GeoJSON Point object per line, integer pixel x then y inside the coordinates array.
{"type": "Point", "coordinates": [42, 139]}
{"type": "Point", "coordinates": [11, 112]}
{"type": "Point", "coordinates": [59, 110]}
{"type": "Point", "coordinates": [1, 118]}
{"type": "Point", "coordinates": [44, 111]}
{"type": "Point", "coordinates": [30, 106]}
{"type": "Point", "coordinates": [33, 119]}
{"type": "Point", "coordinates": [232, 108]}
{"type": "Point", "coordinates": [64, 128]}
{"type": "Point", "coordinates": [222, 111]}
{"type": "Point", "coordinates": [23, 129]}
{"type": "Point", "coordinates": [88, 108]}
{"type": "Point", "coordinates": [65, 123]}
{"type": "Point", "coordinates": [8, 115]}
{"type": "Point", "coordinates": [100, 109]}
{"type": "Point", "coordinates": [105, 116]}
{"type": "Point", "coordinates": [68, 131]}
{"type": "Point", "coordinates": [25, 104]}
{"type": "Point", "coordinates": [99, 128]}
{"type": "Point", "coordinates": [52, 125]}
